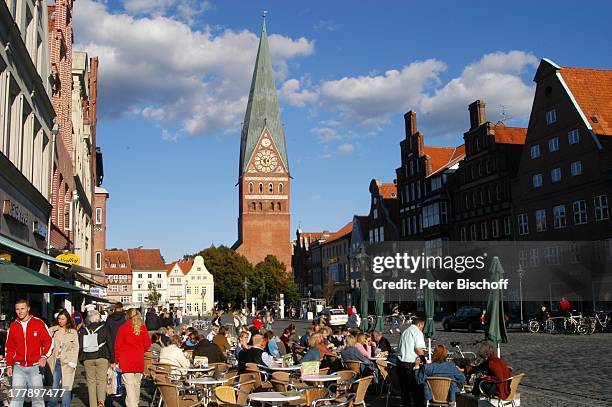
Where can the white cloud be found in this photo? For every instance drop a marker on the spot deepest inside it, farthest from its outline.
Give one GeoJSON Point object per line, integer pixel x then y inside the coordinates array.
{"type": "Point", "coordinates": [346, 148]}
{"type": "Point", "coordinates": [372, 99]}
{"type": "Point", "coordinates": [164, 70]}
{"type": "Point", "coordinates": [292, 93]}
{"type": "Point", "coordinates": [326, 134]}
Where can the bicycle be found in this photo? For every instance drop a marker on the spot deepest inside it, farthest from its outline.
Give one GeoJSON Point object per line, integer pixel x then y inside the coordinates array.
{"type": "Point", "coordinates": [576, 324]}
{"type": "Point", "coordinates": [535, 326]}
{"type": "Point", "coordinates": [471, 357]}
{"type": "Point", "coordinates": [600, 318]}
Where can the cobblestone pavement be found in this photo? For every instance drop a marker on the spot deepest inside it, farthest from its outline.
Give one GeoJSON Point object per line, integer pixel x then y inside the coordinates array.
{"type": "Point", "coordinates": [560, 370]}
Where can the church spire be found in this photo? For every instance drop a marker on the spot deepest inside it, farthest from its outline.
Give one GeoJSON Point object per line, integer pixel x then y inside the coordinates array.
{"type": "Point", "coordinates": [262, 109]}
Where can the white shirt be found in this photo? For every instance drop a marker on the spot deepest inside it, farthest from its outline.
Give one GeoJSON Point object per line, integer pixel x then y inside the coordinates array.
{"type": "Point", "coordinates": [411, 339]}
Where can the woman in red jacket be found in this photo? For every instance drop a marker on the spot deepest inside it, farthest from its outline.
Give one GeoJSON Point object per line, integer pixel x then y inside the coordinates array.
{"type": "Point", "coordinates": [130, 346]}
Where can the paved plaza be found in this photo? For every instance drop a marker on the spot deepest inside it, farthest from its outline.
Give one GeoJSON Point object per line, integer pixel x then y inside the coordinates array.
{"type": "Point", "coordinates": [560, 370]}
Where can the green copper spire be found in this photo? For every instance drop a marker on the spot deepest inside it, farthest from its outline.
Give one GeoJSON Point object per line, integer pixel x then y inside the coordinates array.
{"type": "Point", "coordinates": [262, 109]}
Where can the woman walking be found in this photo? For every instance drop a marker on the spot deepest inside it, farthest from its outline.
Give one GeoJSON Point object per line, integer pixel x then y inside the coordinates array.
{"type": "Point", "coordinates": [130, 346]}
{"type": "Point", "coordinates": [95, 353]}
{"type": "Point", "coordinates": [63, 360]}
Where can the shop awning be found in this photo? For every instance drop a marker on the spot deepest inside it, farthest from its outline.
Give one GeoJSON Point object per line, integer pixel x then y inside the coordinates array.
{"type": "Point", "coordinates": [19, 247]}
{"type": "Point", "coordinates": [28, 279]}
{"type": "Point", "coordinates": [86, 270]}
{"type": "Point", "coordinates": [85, 279]}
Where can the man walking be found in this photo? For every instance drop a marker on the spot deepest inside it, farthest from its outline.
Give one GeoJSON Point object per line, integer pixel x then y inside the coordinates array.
{"type": "Point", "coordinates": [28, 345]}
{"type": "Point", "coordinates": [411, 347]}
{"type": "Point", "coordinates": [113, 323]}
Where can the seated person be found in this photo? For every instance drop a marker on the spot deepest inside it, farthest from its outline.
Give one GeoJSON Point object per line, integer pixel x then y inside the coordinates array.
{"type": "Point", "coordinates": [337, 339]}
{"type": "Point", "coordinates": [255, 354]}
{"type": "Point", "coordinates": [173, 355]}
{"type": "Point", "coordinates": [286, 337]}
{"type": "Point", "coordinates": [221, 341]}
{"type": "Point", "coordinates": [363, 345]}
{"type": "Point", "coordinates": [211, 335]}
{"type": "Point", "coordinates": [210, 350]}
{"type": "Point", "coordinates": [192, 341]}
{"type": "Point", "coordinates": [439, 367]}
{"type": "Point", "coordinates": [304, 338]}
{"type": "Point", "coordinates": [382, 343]}
{"type": "Point", "coordinates": [350, 352]}
{"type": "Point", "coordinates": [156, 346]}
{"type": "Point", "coordinates": [313, 354]}
{"type": "Point", "coordinates": [495, 370]}
{"type": "Point", "coordinates": [243, 343]}
{"type": "Point", "coordinates": [272, 347]}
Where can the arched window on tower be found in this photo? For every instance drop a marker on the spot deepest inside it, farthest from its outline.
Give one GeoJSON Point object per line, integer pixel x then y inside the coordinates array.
{"type": "Point", "coordinates": [270, 188]}
{"type": "Point", "coordinates": [272, 206]}
{"type": "Point", "coordinates": [260, 206]}
{"type": "Point", "coordinates": [280, 188]}
{"type": "Point", "coordinates": [278, 206]}
{"type": "Point", "coordinates": [250, 187]}
{"type": "Point", "coordinates": [260, 187]}
{"type": "Point", "coordinates": [253, 206]}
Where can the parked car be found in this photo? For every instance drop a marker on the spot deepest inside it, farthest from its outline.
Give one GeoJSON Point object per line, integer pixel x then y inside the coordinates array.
{"type": "Point", "coordinates": [334, 317]}
{"type": "Point", "coordinates": [465, 318]}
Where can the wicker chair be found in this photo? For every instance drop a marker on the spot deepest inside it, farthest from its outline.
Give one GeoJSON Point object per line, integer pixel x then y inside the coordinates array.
{"type": "Point", "coordinates": [361, 387]}
{"type": "Point", "coordinates": [225, 396]}
{"type": "Point", "coordinates": [514, 395]}
{"type": "Point", "coordinates": [340, 401]}
{"type": "Point", "coordinates": [347, 377]}
{"type": "Point", "coordinates": [440, 387]}
{"type": "Point", "coordinates": [353, 365]}
{"type": "Point", "coordinates": [312, 394]}
{"type": "Point", "coordinates": [171, 396]}
{"type": "Point", "coordinates": [230, 374]}
{"type": "Point", "coordinates": [260, 384]}
{"type": "Point", "coordinates": [220, 368]}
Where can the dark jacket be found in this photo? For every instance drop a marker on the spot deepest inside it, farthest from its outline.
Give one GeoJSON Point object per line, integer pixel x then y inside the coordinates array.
{"type": "Point", "coordinates": [113, 323]}
{"type": "Point", "coordinates": [106, 351]}
{"type": "Point", "coordinates": [384, 345]}
{"type": "Point", "coordinates": [210, 350]}
{"type": "Point", "coordinates": [152, 321]}
{"type": "Point", "coordinates": [251, 355]}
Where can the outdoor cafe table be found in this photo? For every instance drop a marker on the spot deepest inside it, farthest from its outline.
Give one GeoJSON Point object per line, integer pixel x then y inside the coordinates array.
{"type": "Point", "coordinates": [192, 372]}
{"type": "Point", "coordinates": [282, 368]}
{"type": "Point", "coordinates": [275, 398]}
{"type": "Point", "coordinates": [318, 379]}
{"type": "Point", "coordinates": [206, 383]}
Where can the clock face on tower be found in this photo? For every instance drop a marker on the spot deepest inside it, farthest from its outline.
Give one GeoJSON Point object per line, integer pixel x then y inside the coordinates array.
{"type": "Point", "coordinates": [266, 161]}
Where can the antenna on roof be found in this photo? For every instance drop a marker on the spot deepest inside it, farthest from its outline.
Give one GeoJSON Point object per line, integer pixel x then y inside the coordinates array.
{"type": "Point", "coordinates": [503, 114]}
{"type": "Point", "coordinates": [264, 13]}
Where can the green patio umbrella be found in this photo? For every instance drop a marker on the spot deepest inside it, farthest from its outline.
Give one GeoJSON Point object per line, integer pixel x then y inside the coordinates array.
{"type": "Point", "coordinates": [496, 330]}
{"type": "Point", "coordinates": [430, 329]}
{"type": "Point", "coordinates": [380, 299]}
{"type": "Point", "coordinates": [363, 309]}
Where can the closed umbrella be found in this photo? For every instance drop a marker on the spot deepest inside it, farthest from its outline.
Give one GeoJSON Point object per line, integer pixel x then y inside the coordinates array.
{"type": "Point", "coordinates": [496, 330]}
{"type": "Point", "coordinates": [380, 299]}
{"type": "Point", "coordinates": [430, 329]}
{"type": "Point", "coordinates": [363, 309]}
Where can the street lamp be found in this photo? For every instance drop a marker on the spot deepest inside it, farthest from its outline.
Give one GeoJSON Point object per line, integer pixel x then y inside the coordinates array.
{"type": "Point", "coordinates": [203, 299]}
{"type": "Point", "coordinates": [246, 287]}
{"type": "Point", "coordinates": [521, 274]}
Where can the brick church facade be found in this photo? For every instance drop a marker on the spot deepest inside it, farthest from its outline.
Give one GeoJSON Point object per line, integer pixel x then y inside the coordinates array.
{"type": "Point", "coordinates": [264, 180]}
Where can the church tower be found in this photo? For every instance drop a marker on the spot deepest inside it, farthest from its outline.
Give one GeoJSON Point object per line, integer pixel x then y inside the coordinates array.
{"type": "Point", "coordinates": [263, 173]}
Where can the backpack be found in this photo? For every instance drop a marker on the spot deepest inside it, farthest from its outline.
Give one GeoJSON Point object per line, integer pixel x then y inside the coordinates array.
{"type": "Point", "coordinates": [90, 341]}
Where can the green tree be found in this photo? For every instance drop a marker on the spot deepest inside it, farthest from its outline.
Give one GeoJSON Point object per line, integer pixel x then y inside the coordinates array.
{"type": "Point", "coordinates": [153, 297]}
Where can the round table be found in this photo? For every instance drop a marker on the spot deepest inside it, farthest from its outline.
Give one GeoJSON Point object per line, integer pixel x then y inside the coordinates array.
{"type": "Point", "coordinates": [206, 382]}
{"type": "Point", "coordinates": [275, 398]}
{"type": "Point", "coordinates": [284, 369]}
{"type": "Point", "coordinates": [320, 378]}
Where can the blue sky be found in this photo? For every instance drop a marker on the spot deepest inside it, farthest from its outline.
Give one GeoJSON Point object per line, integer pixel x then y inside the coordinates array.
{"type": "Point", "coordinates": [175, 74]}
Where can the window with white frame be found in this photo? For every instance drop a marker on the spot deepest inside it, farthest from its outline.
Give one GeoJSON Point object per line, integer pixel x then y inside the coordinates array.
{"type": "Point", "coordinates": [98, 216]}
{"type": "Point", "coordinates": [553, 144]}
{"type": "Point", "coordinates": [537, 180]}
{"type": "Point", "coordinates": [551, 116]}
{"type": "Point", "coordinates": [552, 256]}
{"type": "Point", "coordinates": [376, 235]}
{"type": "Point", "coordinates": [375, 213]}
{"type": "Point", "coordinates": [540, 216]}
{"type": "Point", "coordinates": [371, 236]}
{"type": "Point", "coordinates": [555, 174]}
{"type": "Point", "coordinates": [535, 151]}
{"type": "Point", "coordinates": [580, 212]}
{"type": "Point", "coordinates": [601, 208]}
{"type": "Point", "coordinates": [436, 183]}
{"type": "Point", "coordinates": [574, 253]}
{"type": "Point", "coordinates": [124, 288]}
{"type": "Point", "coordinates": [139, 297]}
{"type": "Point", "coordinates": [523, 224]}
{"type": "Point", "coordinates": [113, 288]}
{"type": "Point", "coordinates": [507, 226]}
{"type": "Point", "coordinates": [382, 233]}
{"type": "Point", "coordinates": [573, 136]}
{"type": "Point", "coordinates": [434, 214]}
{"type": "Point", "coordinates": [126, 299]}
{"type": "Point", "coordinates": [484, 231]}
{"type": "Point", "coordinates": [495, 228]}
{"type": "Point", "coordinates": [576, 168]}
{"type": "Point", "coordinates": [533, 256]}
{"type": "Point", "coordinates": [188, 289]}
{"type": "Point", "coordinates": [559, 216]}
{"type": "Point", "coordinates": [98, 260]}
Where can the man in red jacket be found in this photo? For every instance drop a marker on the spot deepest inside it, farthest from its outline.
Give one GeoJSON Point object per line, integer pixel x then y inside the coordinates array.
{"type": "Point", "coordinates": [28, 345]}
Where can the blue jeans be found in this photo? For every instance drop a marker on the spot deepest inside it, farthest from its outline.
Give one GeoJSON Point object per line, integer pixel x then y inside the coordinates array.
{"type": "Point", "coordinates": [27, 378]}
{"type": "Point", "coordinates": [57, 384]}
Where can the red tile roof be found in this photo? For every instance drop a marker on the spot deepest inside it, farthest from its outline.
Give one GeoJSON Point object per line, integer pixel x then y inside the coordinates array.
{"type": "Point", "coordinates": [592, 89]}
{"type": "Point", "coordinates": [117, 257]}
{"type": "Point", "coordinates": [509, 135]}
{"type": "Point", "coordinates": [345, 230]}
{"type": "Point", "coordinates": [186, 265]}
{"type": "Point", "coordinates": [388, 191]}
{"type": "Point", "coordinates": [443, 157]}
{"type": "Point", "coordinates": [146, 259]}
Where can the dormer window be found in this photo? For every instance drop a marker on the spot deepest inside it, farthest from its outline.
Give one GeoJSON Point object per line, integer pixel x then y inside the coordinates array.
{"type": "Point", "coordinates": [551, 116]}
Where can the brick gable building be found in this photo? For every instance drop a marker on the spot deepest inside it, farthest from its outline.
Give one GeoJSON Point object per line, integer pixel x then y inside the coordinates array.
{"type": "Point", "coordinates": [263, 180]}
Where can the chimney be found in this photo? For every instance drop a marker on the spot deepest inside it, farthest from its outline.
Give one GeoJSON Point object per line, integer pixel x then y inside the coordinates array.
{"type": "Point", "coordinates": [410, 123]}
{"type": "Point", "coordinates": [478, 114]}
